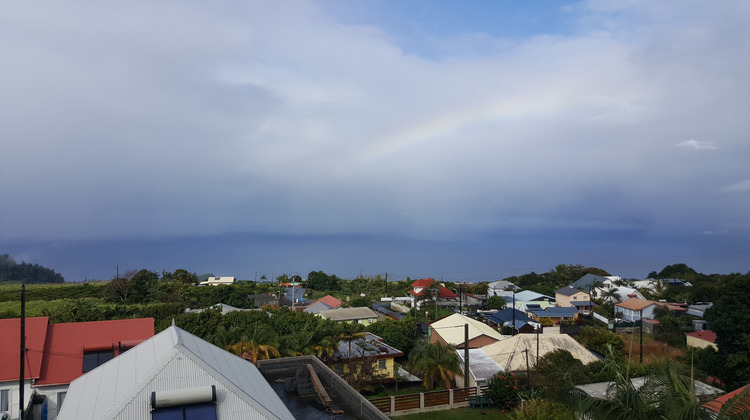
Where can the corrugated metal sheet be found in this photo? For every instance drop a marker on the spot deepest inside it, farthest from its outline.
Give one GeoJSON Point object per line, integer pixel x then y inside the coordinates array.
{"type": "Point", "coordinates": [510, 354]}
{"type": "Point", "coordinates": [348, 314]}
{"type": "Point", "coordinates": [173, 359]}
{"type": "Point", "coordinates": [451, 329]}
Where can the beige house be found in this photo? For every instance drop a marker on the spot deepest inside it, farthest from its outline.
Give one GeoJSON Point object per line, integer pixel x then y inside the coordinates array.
{"type": "Point", "coordinates": [702, 339]}
{"type": "Point", "coordinates": [568, 297]}
{"type": "Point", "coordinates": [451, 330]}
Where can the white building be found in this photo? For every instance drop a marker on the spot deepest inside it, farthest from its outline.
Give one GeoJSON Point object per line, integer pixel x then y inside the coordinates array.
{"type": "Point", "coordinates": [173, 372]}
{"type": "Point", "coordinates": [215, 281]}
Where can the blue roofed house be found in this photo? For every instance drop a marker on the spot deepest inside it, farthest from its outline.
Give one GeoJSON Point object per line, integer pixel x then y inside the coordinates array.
{"type": "Point", "coordinates": [555, 314]}
{"type": "Point", "coordinates": [529, 296]}
{"type": "Point", "coordinates": [505, 317]}
{"type": "Point", "coordinates": [296, 295]}
{"type": "Point", "coordinates": [588, 281]}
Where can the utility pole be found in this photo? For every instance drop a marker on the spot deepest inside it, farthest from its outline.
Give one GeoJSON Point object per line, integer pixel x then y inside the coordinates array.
{"type": "Point", "coordinates": [386, 284]}
{"type": "Point", "coordinates": [466, 355]}
{"type": "Point", "coordinates": [460, 299]}
{"type": "Point", "coordinates": [514, 314]}
{"type": "Point", "coordinates": [23, 350]}
{"type": "Point", "coordinates": [641, 316]}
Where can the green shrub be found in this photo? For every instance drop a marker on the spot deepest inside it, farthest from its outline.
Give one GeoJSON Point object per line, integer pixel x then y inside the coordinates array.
{"type": "Point", "coordinates": [503, 391]}
{"type": "Point", "coordinates": [542, 409]}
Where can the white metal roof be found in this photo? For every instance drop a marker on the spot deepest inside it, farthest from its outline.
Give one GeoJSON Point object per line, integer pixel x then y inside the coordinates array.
{"type": "Point", "coordinates": [451, 329]}
{"type": "Point", "coordinates": [510, 354]}
{"type": "Point", "coordinates": [173, 359]}
{"type": "Point", "coordinates": [481, 366]}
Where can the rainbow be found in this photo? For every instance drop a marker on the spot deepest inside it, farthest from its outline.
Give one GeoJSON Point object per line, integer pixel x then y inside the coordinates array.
{"type": "Point", "coordinates": [442, 127]}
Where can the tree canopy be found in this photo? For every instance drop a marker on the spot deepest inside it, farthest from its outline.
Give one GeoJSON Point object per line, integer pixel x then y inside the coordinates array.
{"type": "Point", "coordinates": [12, 272]}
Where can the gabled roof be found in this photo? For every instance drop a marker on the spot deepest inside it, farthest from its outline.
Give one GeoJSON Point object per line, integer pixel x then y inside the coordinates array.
{"type": "Point", "coordinates": [506, 315]}
{"type": "Point", "coordinates": [510, 354]}
{"type": "Point", "coordinates": [10, 345]}
{"type": "Point", "coordinates": [423, 282]}
{"type": "Point", "coordinates": [451, 329]}
{"type": "Point", "coordinates": [348, 314]}
{"type": "Point", "coordinates": [317, 307]}
{"type": "Point", "coordinates": [331, 301]}
{"type": "Point", "coordinates": [706, 335]}
{"type": "Point", "coordinates": [65, 344]}
{"type": "Point", "coordinates": [717, 404]}
{"type": "Point", "coordinates": [587, 281]}
{"type": "Point", "coordinates": [443, 292]}
{"type": "Point", "coordinates": [171, 360]}
{"type": "Point", "coordinates": [568, 291]}
{"type": "Point", "coordinates": [528, 295]}
{"type": "Point", "coordinates": [635, 304]}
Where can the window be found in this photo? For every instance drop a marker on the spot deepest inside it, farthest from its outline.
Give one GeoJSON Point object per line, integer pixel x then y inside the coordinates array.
{"type": "Point", "coordinates": [381, 364]}
{"type": "Point", "coordinates": [186, 412]}
{"type": "Point", "coordinates": [4, 399]}
{"type": "Point", "coordinates": [93, 359]}
{"type": "Point", "coordinates": [60, 399]}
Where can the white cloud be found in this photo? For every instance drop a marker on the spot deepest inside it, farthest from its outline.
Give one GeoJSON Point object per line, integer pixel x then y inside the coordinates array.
{"type": "Point", "coordinates": [738, 187]}
{"type": "Point", "coordinates": [697, 145]}
{"type": "Point", "coordinates": [274, 117]}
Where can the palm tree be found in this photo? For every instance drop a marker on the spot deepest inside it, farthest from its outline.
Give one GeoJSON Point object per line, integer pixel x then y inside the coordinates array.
{"type": "Point", "coordinates": [262, 344]}
{"type": "Point", "coordinates": [610, 295]}
{"type": "Point", "coordinates": [298, 343]}
{"type": "Point", "coordinates": [350, 332]}
{"type": "Point", "coordinates": [436, 362]}
{"type": "Point", "coordinates": [666, 394]}
{"type": "Point", "coordinates": [325, 348]}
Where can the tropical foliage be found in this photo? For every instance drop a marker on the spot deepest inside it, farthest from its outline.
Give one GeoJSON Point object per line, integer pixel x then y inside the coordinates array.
{"type": "Point", "coordinates": [435, 362]}
{"type": "Point", "coordinates": [502, 389]}
{"type": "Point", "coordinates": [666, 393]}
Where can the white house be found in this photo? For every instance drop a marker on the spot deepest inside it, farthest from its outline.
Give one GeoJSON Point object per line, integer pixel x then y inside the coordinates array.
{"type": "Point", "coordinates": [215, 281]}
{"type": "Point", "coordinates": [171, 375]}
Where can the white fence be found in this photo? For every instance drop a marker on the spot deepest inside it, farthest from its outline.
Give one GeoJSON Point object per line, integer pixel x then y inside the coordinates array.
{"type": "Point", "coordinates": [600, 318]}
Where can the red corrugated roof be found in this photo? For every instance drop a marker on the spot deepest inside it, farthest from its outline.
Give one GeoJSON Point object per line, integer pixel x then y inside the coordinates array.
{"type": "Point", "coordinates": [717, 404]}
{"type": "Point", "coordinates": [63, 350]}
{"type": "Point", "coordinates": [423, 282]}
{"type": "Point", "coordinates": [10, 347]}
{"type": "Point", "coordinates": [330, 301]}
{"type": "Point", "coordinates": [445, 293]}
{"type": "Point", "coordinates": [706, 335]}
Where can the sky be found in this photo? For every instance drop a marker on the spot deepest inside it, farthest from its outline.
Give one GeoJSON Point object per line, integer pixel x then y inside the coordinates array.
{"type": "Point", "coordinates": [467, 141]}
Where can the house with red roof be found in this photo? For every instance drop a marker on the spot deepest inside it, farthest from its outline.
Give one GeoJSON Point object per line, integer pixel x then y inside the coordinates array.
{"type": "Point", "coordinates": [56, 354]}
{"type": "Point", "coordinates": [323, 304]}
{"type": "Point", "coordinates": [702, 339]}
{"type": "Point", "coordinates": [635, 309]}
{"type": "Point", "coordinates": [427, 289]}
{"type": "Point", "coordinates": [738, 400]}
